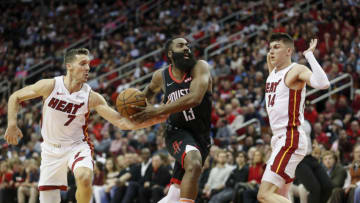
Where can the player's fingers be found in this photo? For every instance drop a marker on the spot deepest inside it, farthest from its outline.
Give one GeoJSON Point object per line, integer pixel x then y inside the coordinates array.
{"type": "Point", "coordinates": [136, 116]}
{"type": "Point", "coordinates": [138, 107]}
{"type": "Point", "coordinates": [12, 140]}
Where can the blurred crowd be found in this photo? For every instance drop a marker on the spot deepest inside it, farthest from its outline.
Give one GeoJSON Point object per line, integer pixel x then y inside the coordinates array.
{"type": "Point", "coordinates": [134, 165]}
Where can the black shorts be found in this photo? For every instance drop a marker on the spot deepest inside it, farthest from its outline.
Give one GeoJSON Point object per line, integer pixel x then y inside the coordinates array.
{"type": "Point", "coordinates": [176, 140]}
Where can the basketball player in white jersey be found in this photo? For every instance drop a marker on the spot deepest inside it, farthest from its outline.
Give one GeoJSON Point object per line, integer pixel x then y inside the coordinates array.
{"type": "Point", "coordinates": [285, 96]}
{"type": "Point", "coordinates": [67, 104]}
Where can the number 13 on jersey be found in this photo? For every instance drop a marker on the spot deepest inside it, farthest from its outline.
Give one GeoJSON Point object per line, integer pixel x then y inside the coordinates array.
{"type": "Point", "coordinates": [189, 114]}
{"type": "Point", "coordinates": [271, 100]}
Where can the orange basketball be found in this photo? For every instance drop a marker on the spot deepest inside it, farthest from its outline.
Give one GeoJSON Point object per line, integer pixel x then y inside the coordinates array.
{"type": "Point", "coordinates": [127, 98]}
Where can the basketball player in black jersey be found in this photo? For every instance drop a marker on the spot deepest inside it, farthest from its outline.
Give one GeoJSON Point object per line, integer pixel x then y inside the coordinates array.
{"type": "Point", "coordinates": [186, 84]}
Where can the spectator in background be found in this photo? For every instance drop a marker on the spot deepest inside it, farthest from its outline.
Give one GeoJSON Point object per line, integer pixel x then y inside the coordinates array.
{"type": "Point", "coordinates": [354, 131]}
{"type": "Point", "coordinates": [99, 175]}
{"type": "Point", "coordinates": [218, 176]}
{"type": "Point", "coordinates": [335, 171]}
{"type": "Point", "coordinates": [320, 135]}
{"type": "Point", "coordinates": [343, 108]}
{"type": "Point", "coordinates": [104, 145]}
{"type": "Point", "coordinates": [154, 181]}
{"type": "Point", "coordinates": [101, 193]}
{"type": "Point", "coordinates": [346, 194]}
{"type": "Point", "coordinates": [5, 182]}
{"type": "Point", "coordinates": [116, 144]}
{"type": "Point", "coordinates": [256, 171]}
{"type": "Point", "coordinates": [344, 146]}
{"type": "Point", "coordinates": [28, 188]}
{"type": "Point", "coordinates": [223, 133]}
{"type": "Point", "coordinates": [238, 175]}
{"type": "Point", "coordinates": [137, 174]}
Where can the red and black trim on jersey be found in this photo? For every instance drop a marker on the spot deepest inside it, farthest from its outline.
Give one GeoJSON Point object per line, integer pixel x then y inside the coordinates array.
{"type": "Point", "coordinates": [173, 77]}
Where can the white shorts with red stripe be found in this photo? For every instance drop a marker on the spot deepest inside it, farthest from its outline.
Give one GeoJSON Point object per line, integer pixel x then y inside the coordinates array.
{"type": "Point", "coordinates": [55, 161]}
{"type": "Point", "coordinates": [288, 149]}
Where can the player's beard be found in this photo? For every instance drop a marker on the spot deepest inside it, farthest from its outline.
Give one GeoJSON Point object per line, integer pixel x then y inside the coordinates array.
{"type": "Point", "coordinates": [182, 63]}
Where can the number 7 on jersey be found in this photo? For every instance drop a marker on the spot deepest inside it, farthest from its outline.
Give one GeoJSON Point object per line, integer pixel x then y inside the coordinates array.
{"type": "Point", "coordinates": [71, 118]}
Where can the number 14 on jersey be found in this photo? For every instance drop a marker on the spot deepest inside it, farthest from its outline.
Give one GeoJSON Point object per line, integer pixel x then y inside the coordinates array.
{"type": "Point", "coordinates": [271, 100]}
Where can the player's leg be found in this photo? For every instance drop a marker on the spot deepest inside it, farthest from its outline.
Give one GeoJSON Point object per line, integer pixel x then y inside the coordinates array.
{"type": "Point", "coordinates": [284, 190]}
{"type": "Point", "coordinates": [81, 164]}
{"type": "Point", "coordinates": [83, 177]}
{"type": "Point", "coordinates": [275, 176]}
{"type": "Point", "coordinates": [173, 194]}
{"type": "Point", "coordinates": [183, 148]}
{"type": "Point", "coordinates": [53, 173]}
{"type": "Point", "coordinates": [267, 194]}
{"type": "Point", "coordinates": [189, 184]}
{"type": "Point", "coordinates": [52, 196]}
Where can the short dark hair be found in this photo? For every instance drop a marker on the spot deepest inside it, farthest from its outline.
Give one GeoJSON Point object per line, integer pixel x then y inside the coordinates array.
{"type": "Point", "coordinates": [70, 55]}
{"type": "Point", "coordinates": [168, 44]}
{"type": "Point", "coordinates": [284, 37]}
{"type": "Point", "coordinates": [242, 153]}
{"type": "Point", "coordinates": [329, 153]}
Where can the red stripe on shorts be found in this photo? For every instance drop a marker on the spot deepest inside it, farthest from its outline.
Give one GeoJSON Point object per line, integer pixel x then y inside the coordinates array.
{"type": "Point", "coordinates": [76, 160]}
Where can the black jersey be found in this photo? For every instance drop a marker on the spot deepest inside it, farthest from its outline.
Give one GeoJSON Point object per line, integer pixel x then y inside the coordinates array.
{"type": "Point", "coordinates": [196, 119]}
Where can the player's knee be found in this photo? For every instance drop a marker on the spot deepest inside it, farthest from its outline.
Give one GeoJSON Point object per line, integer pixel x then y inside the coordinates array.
{"type": "Point", "coordinates": [261, 196]}
{"type": "Point", "coordinates": [84, 178]}
{"type": "Point", "coordinates": [194, 167]}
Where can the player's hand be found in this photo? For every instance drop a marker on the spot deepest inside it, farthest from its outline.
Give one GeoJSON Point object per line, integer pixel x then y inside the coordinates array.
{"type": "Point", "coordinates": [146, 113]}
{"type": "Point", "coordinates": [13, 134]}
{"type": "Point", "coordinates": [312, 46]}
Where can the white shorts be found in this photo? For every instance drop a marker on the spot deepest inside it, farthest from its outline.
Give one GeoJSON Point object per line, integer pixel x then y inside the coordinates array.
{"type": "Point", "coordinates": [288, 149]}
{"type": "Point", "coordinates": [56, 160]}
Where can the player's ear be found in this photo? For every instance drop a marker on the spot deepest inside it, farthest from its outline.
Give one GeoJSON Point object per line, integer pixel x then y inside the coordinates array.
{"type": "Point", "coordinates": [289, 51]}
{"type": "Point", "coordinates": [68, 66]}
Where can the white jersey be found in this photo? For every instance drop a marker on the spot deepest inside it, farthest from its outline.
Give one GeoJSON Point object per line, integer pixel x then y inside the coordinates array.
{"type": "Point", "coordinates": [285, 107]}
{"type": "Point", "coordinates": [65, 115]}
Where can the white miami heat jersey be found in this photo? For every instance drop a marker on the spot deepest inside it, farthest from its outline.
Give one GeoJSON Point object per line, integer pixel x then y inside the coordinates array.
{"type": "Point", "coordinates": [285, 107]}
{"type": "Point", "coordinates": [65, 115]}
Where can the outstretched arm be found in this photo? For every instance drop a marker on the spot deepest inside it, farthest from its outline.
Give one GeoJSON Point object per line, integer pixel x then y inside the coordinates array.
{"type": "Point", "coordinates": [41, 88]}
{"type": "Point", "coordinates": [317, 77]}
{"type": "Point", "coordinates": [98, 103]}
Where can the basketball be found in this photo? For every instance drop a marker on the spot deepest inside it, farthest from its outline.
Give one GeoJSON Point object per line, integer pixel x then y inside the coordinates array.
{"type": "Point", "coordinates": [127, 98]}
